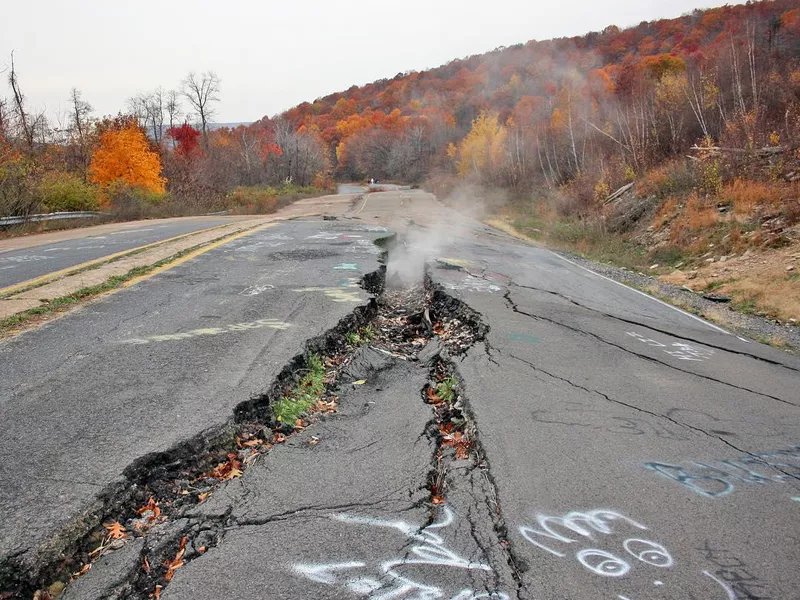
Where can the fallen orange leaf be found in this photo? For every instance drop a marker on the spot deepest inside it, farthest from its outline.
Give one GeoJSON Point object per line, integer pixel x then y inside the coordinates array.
{"type": "Point", "coordinates": [157, 592]}
{"type": "Point", "coordinates": [202, 496]}
{"type": "Point", "coordinates": [176, 562]}
{"type": "Point", "coordinates": [462, 452]}
{"type": "Point", "coordinates": [437, 500]}
{"type": "Point", "coordinates": [433, 397]}
{"type": "Point", "coordinates": [233, 474]}
{"type": "Point", "coordinates": [116, 531]}
{"type": "Point", "coordinates": [151, 506]}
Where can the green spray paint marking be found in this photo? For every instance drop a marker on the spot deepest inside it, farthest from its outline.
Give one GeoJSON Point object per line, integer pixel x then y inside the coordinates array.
{"type": "Point", "coordinates": [524, 337]}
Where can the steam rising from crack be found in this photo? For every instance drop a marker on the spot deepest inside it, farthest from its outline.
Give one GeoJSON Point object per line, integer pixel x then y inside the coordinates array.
{"type": "Point", "coordinates": [431, 235]}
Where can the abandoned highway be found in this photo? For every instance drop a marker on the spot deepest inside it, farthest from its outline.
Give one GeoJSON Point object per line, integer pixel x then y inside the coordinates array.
{"type": "Point", "coordinates": [496, 422]}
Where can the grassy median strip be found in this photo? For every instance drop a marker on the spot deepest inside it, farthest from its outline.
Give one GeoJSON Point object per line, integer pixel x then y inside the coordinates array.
{"type": "Point", "coordinates": [62, 303]}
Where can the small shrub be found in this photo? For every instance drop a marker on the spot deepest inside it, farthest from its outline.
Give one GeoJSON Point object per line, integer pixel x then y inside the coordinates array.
{"type": "Point", "coordinates": [677, 177]}
{"type": "Point", "coordinates": [62, 192]}
{"type": "Point", "coordinates": [266, 199]}
{"type": "Point", "coordinates": [791, 211]}
{"type": "Point", "coordinates": [667, 255]}
{"type": "Point", "coordinates": [711, 177]}
{"type": "Point", "coordinates": [18, 187]}
{"type": "Point", "coordinates": [135, 202]}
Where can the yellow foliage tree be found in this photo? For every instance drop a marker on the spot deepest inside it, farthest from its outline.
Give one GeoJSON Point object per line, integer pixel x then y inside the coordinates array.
{"type": "Point", "coordinates": [482, 149]}
{"type": "Point", "coordinates": [123, 155]}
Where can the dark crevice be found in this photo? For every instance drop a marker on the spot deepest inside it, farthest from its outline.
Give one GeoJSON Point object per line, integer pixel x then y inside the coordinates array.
{"type": "Point", "coordinates": [301, 512]}
{"type": "Point", "coordinates": [517, 310]}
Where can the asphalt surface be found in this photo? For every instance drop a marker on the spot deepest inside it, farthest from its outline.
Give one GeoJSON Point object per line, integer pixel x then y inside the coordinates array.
{"type": "Point", "coordinates": [627, 450]}
{"type": "Point", "coordinates": [83, 397]}
{"type": "Point", "coordinates": [21, 264]}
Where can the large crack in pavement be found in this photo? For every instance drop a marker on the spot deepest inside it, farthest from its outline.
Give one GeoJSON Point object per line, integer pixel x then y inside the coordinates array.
{"type": "Point", "coordinates": [159, 487]}
{"type": "Point", "coordinates": [512, 284]}
{"type": "Point", "coordinates": [515, 308]}
{"type": "Point", "coordinates": [159, 503]}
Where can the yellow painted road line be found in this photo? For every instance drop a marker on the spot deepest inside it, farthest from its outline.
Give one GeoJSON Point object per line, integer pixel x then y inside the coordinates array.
{"type": "Point", "coordinates": [366, 197]}
{"type": "Point", "coordinates": [47, 278]}
{"type": "Point", "coordinates": [196, 253]}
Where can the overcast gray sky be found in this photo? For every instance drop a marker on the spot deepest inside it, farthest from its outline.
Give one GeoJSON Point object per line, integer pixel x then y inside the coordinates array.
{"type": "Point", "coordinates": [272, 55]}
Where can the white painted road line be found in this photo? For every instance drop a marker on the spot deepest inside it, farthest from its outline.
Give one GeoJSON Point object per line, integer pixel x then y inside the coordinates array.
{"type": "Point", "coordinates": [627, 287]}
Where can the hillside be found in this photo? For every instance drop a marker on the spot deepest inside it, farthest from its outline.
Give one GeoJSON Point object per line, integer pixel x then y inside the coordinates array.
{"type": "Point", "coordinates": [561, 107]}
{"type": "Point", "coordinates": [696, 119]}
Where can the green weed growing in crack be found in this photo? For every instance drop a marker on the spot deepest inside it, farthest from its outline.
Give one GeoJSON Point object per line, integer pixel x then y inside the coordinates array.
{"type": "Point", "coordinates": [303, 395]}
{"type": "Point", "coordinates": [365, 335]}
{"type": "Point", "coordinates": [446, 389]}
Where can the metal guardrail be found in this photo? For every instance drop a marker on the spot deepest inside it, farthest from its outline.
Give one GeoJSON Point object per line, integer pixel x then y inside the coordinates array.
{"type": "Point", "coordinates": [86, 214]}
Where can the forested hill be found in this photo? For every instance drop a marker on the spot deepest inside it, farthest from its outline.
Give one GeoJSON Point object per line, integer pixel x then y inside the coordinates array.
{"type": "Point", "coordinates": [544, 111]}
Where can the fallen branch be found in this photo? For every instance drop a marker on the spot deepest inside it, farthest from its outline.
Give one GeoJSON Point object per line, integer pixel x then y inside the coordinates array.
{"type": "Point", "coordinates": [619, 192]}
{"type": "Point", "coordinates": [760, 151]}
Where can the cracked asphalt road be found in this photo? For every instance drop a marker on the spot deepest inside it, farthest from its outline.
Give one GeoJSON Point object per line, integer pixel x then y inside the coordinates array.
{"type": "Point", "coordinates": [626, 450]}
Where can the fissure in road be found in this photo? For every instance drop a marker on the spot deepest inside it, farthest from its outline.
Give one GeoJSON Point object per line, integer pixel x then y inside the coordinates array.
{"type": "Point", "coordinates": [159, 529]}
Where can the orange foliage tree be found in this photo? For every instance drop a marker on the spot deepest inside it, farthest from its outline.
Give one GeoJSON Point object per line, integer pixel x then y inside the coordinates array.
{"type": "Point", "coordinates": [124, 156]}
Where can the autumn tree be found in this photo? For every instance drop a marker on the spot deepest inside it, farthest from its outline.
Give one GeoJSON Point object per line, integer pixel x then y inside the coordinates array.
{"type": "Point", "coordinates": [482, 150]}
{"type": "Point", "coordinates": [201, 91]}
{"type": "Point", "coordinates": [186, 140]}
{"type": "Point", "coordinates": [124, 156]}
{"type": "Point", "coordinates": [80, 132]}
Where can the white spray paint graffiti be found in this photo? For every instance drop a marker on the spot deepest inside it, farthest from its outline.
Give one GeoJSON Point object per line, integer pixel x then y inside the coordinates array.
{"type": "Point", "coordinates": [551, 532]}
{"type": "Point", "coordinates": [713, 481]}
{"type": "Point", "coordinates": [255, 290]}
{"type": "Point", "coordinates": [679, 350]}
{"type": "Point", "coordinates": [471, 283]}
{"type": "Point", "coordinates": [430, 548]}
{"type": "Point", "coordinates": [170, 337]}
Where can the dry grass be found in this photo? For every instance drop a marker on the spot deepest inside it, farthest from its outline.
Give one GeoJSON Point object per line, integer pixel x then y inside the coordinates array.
{"type": "Point", "coordinates": [668, 212]}
{"type": "Point", "coordinates": [695, 222]}
{"type": "Point", "coordinates": [747, 195]}
{"type": "Point", "coordinates": [758, 284]}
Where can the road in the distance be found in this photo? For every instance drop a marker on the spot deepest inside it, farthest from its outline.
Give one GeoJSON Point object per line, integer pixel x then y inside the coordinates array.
{"type": "Point", "coordinates": [20, 261]}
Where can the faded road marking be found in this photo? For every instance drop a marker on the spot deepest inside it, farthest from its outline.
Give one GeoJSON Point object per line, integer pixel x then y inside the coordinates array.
{"type": "Point", "coordinates": [336, 294]}
{"type": "Point", "coordinates": [128, 231]}
{"type": "Point", "coordinates": [170, 337]}
{"type": "Point", "coordinates": [346, 267]}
